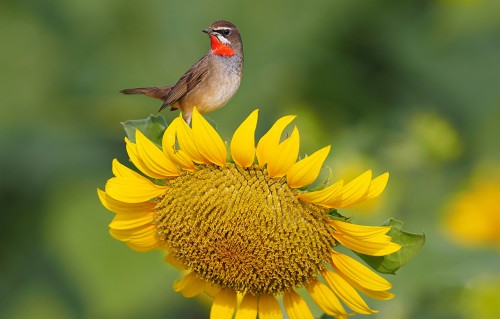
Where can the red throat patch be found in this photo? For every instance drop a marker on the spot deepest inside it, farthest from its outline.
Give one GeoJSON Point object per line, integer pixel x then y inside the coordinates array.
{"type": "Point", "coordinates": [219, 48]}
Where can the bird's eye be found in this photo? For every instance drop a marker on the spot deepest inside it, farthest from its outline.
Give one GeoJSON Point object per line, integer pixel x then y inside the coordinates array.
{"type": "Point", "coordinates": [225, 32]}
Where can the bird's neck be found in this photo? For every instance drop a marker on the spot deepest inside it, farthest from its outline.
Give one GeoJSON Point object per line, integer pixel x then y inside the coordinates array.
{"type": "Point", "coordinates": [219, 48]}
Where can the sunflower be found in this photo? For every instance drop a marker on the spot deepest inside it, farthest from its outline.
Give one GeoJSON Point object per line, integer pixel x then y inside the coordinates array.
{"type": "Point", "coordinates": [245, 230]}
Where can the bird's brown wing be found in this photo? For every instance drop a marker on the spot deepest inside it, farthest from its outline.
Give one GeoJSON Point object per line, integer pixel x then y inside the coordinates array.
{"type": "Point", "coordinates": [194, 76]}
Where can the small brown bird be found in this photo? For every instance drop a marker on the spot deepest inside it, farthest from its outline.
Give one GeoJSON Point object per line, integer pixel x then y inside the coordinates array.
{"type": "Point", "coordinates": [211, 82]}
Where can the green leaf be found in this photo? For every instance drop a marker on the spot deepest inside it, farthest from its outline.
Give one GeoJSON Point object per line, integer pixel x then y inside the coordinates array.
{"type": "Point", "coordinates": [152, 127]}
{"type": "Point", "coordinates": [410, 246]}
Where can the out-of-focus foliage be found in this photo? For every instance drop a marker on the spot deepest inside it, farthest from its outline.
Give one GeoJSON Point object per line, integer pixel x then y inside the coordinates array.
{"type": "Point", "coordinates": [409, 87]}
{"type": "Point", "coordinates": [473, 216]}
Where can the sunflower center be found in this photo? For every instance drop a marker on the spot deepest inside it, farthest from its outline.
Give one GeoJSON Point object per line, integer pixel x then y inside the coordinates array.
{"type": "Point", "coordinates": [239, 229]}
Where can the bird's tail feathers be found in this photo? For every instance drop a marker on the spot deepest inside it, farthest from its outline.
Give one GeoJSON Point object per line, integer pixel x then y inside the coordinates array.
{"type": "Point", "coordinates": [154, 92]}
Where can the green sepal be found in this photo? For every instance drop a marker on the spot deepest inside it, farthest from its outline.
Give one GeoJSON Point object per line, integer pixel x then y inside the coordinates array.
{"type": "Point", "coordinates": [335, 215]}
{"type": "Point", "coordinates": [152, 127]}
{"type": "Point", "coordinates": [410, 245]}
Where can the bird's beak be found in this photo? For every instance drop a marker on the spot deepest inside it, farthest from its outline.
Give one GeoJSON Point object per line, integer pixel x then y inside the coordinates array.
{"type": "Point", "coordinates": [207, 30]}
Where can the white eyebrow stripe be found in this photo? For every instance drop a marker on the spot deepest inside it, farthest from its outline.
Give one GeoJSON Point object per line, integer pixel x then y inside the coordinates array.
{"type": "Point", "coordinates": [221, 28]}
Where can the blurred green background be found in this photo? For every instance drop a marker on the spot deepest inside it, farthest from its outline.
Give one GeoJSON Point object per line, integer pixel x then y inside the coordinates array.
{"type": "Point", "coordinates": [409, 87]}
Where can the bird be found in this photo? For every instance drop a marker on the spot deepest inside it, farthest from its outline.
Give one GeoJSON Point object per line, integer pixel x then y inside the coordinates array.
{"type": "Point", "coordinates": [211, 82]}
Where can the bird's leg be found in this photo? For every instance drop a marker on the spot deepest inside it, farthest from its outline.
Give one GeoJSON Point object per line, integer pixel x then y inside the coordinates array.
{"type": "Point", "coordinates": [187, 118]}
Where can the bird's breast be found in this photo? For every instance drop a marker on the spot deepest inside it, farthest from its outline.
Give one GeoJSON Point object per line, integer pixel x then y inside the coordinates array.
{"type": "Point", "coordinates": [217, 89]}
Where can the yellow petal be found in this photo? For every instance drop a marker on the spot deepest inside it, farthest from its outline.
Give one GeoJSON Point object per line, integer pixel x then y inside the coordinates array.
{"type": "Point", "coordinates": [305, 171]}
{"type": "Point", "coordinates": [372, 248]}
{"type": "Point", "coordinates": [182, 159]}
{"type": "Point", "coordinates": [179, 157]}
{"type": "Point", "coordinates": [268, 143]}
{"type": "Point", "coordinates": [285, 156]}
{"type": "Point", "coordinates": [169, 136]}
{"type": "Point", "coordinates": [118, 207]}
{"type": "Point", "coordinates": [133, 154]}
{"type": "Point", "coordinates": [269, 308]}
{"type": "Point", "coordinates": [247, 308]}
{"type": "Point", "coordinates": [120, 170]}
{"type": "Point", "coordinates": [189, 286]}
{"type": "Point", "coordinates": [379, 295]}
{"type": "Point", "coordinates": [153, 157]}
{"type": "Point", "coordinates": [295, 306]}
{"type": "Point", "coordinates": [358, 273]}
{"type": "Point", "coordinates": [169, 258]}
{"type": "Point", "coordinates": [187, 144]}
{"type": "Point", "coordinates": [142, 238]}
{"type": "Point", "coordinates": [354, 191]}
{"type": "Point", "coordinates": [224, 305]}
{"type": "Point", "coordinates": [208, 141]}
{"type": "Point", "coordinates": [132, 190]}
{"type": "Point", "coordinates": [347, 293]}
{"type": "Point", "coordinates": [243, 141]}
{"type": "Point", "coordinates": [128, 221]}
{"type": "Point", "coordinates": [211, 290]}
{"type": "Point", "coordinates": [143, 246]}
{"type": "Point", "coordinates": [357, 185]}
{"type": "Point", "coordinates": [377, 186]}
{"type": "Point", "coordinates": [325, 299]}
{"type": "Point", "coordinates": [360, 231]}
{"type": "Point", "coordinates": [139, 233]}
{"type": "Point", "coordinates": [325, 196]}
{"type": "Point", "coordinates": [375, 294]}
